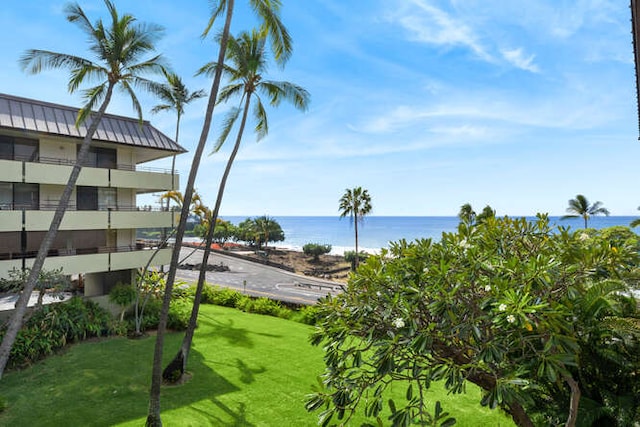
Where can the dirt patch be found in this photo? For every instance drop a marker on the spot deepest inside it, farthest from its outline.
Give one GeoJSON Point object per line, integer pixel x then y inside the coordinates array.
{"type": "Point", "coordinates": [330, 267]}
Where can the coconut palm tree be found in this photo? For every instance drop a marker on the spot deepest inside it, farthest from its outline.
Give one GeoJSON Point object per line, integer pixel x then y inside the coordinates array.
{"type": "Point", "coordinates": [120, 47]}
{"type": "Point", "coordinates": [355, 203]}
{"type": "Point", "coordinates": [467, 214]}
{"type": "Point", "coordinates": [580, 207]}
{"type": "Point", "coordinates": [246, 80]}
{"type": "Point", "coordinates": [268, 14]}
{"type": "Point", "coordinates": [176, 96]}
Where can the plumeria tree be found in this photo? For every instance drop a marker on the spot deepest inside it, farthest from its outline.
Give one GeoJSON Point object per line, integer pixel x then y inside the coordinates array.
{"type": "Point", "coordinates": [530, 314]}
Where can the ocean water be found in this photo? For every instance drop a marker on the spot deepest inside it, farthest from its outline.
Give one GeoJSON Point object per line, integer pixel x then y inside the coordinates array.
{"type": "Point", "coordinates": [377, 231]}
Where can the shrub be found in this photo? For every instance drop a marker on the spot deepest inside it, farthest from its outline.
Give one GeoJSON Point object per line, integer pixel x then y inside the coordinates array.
{"type": "Point", "coordinates": [221, 296]}
{"type": "Point", "coordinates": [308, 314]}
{"type": "Point", "coordinates": [263, 305]}
{"type": "Point", "coordinates": [315, 250]}
{"type": "Point", "coordinates": [123, 295]}
{"type": "Point", "coordinates": [350, 257]}
{"type": "Point", "coordinates": [55, 325]}
{"type": "Point", "coordinates": [179, 314]}
{"type": "Point", "coordinates": [3, 404]}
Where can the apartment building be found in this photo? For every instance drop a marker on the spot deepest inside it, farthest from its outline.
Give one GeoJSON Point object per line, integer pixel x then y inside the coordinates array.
{"type": "Point", "coordinates": [97, 238]}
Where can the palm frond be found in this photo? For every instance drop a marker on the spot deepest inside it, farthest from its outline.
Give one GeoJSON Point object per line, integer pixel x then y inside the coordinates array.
{"type": "Point", "coordinates": [124, 85]}
{"type": "Point", "coordinates": [279, 90]}
{"type": "Point", "coordinates": [34, 61]}
{"type": "Point", "coordinates": [217, 8]}
{"type": "Point", "coordinates": [260, 116]}
{"type": "Point", "coordinates": [279, 38]}
{"type": "Point", "coordinates": [75, 14]}
{"type": "Point", "coordinates": [227, 125]}
{"type": "Point", "coordinates": [229, 91]}
{"type": "Point", "coordinates": [93, 97]}
{"type": "Point", "coordinates": [209, 69]}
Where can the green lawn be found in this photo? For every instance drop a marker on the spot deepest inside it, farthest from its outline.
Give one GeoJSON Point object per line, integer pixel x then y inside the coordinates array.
{"type": "Point", "coordinates": [248, 370]}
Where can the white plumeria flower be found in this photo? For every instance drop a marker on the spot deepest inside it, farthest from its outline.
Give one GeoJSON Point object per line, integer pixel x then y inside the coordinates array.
{"type": "Point", "coordinates": [398, 323]}
{"type": "Point", "coordinates": [378, 293]}
{"type": "Point", "coordinates": [502, 307]}
{"type": "Point", "coordinates": [487, 288]}
{"type": "Point", "coordinates": [511, 318]}
{"type": "Point", "coordinates": [464, 244]}
{"type": "Point", "coordinates": [583, 236]}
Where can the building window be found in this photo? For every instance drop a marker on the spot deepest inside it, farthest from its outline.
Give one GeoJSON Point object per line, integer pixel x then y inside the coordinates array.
{"type": "Point", "coordinates": [23, 149]}
{"type": "Point", "coordinates": [86, 198]}
{"type": "Point", "coordinates": [99, 157]}
{"type": "Point", "coordinates": [18, 195]}
{"type": "Point", "coordinates": [6, 196]}
{"type": "Point", "coordinates": [107, 198]}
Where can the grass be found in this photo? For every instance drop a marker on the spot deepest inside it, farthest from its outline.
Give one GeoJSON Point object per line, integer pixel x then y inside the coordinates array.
{"type": "Point", "coordinates": [248, 370]}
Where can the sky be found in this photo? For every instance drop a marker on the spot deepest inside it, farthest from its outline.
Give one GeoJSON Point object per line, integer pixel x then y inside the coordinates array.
{"type": "Point", "coordinates": [426, 104]}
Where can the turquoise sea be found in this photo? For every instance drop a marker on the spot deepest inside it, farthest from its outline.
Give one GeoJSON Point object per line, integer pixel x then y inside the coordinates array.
{"type": "Point", "coordinates": [377, 231]}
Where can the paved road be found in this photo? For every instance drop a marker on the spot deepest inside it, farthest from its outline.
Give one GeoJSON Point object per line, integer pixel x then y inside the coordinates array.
{"type": "Point", "coordinates": [259, 280]}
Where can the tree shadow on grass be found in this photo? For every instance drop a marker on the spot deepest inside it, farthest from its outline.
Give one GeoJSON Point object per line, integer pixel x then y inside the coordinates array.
{"type": "Point", "coordinates": [247, 374]}
{"type": "Point", "coordinates": [202, 394]}
{"type": "Point", "coordinates": [107, 383]}
{"type": "Point", "coordinates": [226, 329]}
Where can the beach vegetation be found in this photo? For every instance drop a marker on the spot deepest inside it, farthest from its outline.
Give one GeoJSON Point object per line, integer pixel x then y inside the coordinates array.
{"type": "Point", "coordinates": [356, 204]}
{"type": "Point", "coordinates": [541, 319]}
{"type": "Point", "coordinates": [260, 231]}
{"type": "Point", "coordinates": [224, 231]}
{"type": "Point", "coordinates": [580, 207]}
{"type": "Point", "coordinates": [487, 212]}
{"type": "Point", "coordinates": [350, 257]}
{"type": "Point", "coordinates": [467, 214]}
{"type": "Point", "coordinates": [316, 250]}
{"type": "Point", "coordinates": [470, 217]}
{"type": "Point", "coordinates": [123, 47]}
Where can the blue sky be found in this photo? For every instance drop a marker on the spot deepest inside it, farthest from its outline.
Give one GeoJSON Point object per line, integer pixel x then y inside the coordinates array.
{"type": "Point", "coordinates": [427, 104]}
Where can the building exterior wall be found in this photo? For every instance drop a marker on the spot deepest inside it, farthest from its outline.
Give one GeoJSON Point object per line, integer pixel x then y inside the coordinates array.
{"type": "Point", "coordinates": [97, 237]}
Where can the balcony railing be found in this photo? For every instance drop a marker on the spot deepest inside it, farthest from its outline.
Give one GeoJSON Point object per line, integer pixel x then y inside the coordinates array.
{"type": "Point", "coordinates": [139, 246]}
{"type": "Point", "coordinates": [71, 162]}
{"type": "Point", "coordinates": [8, 206]}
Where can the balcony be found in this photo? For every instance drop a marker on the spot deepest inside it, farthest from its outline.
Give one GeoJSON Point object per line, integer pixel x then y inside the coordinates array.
{"type": "Point", "coordinates": [89, 260]}
{"type": "Point", "coordinates": [47, 170]}
{"type": "Point", "coordinates": [122, 217]}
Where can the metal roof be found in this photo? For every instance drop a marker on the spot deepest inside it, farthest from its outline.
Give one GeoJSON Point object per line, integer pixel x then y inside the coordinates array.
{"type": "Point", "coordinates": [38, 116]}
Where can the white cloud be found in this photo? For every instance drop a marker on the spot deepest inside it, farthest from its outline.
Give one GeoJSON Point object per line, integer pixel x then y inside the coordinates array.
{"type": "Point", "coordinates": [431, 25]}
{"type": "Point", "coordinates": [518, 58]}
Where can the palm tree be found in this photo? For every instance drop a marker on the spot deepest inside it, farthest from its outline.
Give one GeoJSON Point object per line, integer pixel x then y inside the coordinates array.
{"type": "Point", "coordinates": [248, 58]}
{"type": "Point", "coordinates": [268, 13]}
{"type": "Point", "coordinates": [355, 203]}
{"type": "Point", "coordinates": [176, 96]}
{"type": "Point", "coordinates": [467, 214]}
{"type": "Point", "coordinates": [580, 207]}
{"type": "Point", "coordinates": [120, 47]}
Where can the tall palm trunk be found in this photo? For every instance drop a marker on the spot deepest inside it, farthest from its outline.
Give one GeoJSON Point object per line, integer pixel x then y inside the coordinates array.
{"type": "Point", "coordinates": [355, 223]}
{"type": "Point", "coordinates": [180, 360]}
{"type": "Point", "coordinates": [15, 322]}
{"type": "Point", "coordinates": [153, 417]}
